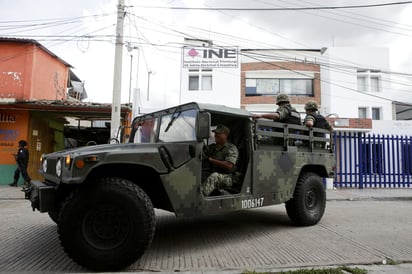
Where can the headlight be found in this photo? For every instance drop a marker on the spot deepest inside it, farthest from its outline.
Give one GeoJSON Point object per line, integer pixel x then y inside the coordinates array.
{"type": "Point", "coordinates": [59, 168]}
{"type": "Point", "coordinates": [44, 165]}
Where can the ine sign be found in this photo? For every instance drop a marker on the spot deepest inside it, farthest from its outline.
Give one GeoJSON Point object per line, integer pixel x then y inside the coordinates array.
{"type": "Point", "coordinates": [203, 57]}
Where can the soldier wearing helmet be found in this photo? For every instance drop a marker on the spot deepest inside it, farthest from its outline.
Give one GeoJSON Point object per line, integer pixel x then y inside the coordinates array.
{"type": "Point", "coordinates": [285, 112]}
{"type": "Point", "coordinates": [313, 119]}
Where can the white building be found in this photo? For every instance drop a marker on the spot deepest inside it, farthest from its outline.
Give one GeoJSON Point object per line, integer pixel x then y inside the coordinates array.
{"type": "Point", "coordinates": [210, 74]}
{"type": "Point", "coordinates": [355, 83]}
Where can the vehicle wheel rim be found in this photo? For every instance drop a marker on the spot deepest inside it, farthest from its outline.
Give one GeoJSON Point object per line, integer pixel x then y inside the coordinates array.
{"type": "Point", "coordinates": [105, 227]}
{"type": "Point", "coordinates": [310, 200]}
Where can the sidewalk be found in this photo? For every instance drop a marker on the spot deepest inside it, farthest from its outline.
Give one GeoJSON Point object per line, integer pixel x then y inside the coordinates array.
{"type": "Point", "coordinates": [336, 194]}
{"type": "Point", "coordinates": [354, 194]}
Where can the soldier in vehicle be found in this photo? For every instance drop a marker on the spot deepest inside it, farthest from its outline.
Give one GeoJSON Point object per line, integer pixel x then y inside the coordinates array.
{"type": "Point", "coordinates": [285, 112]}
{"type": "Point", "coordinates": [222, 157]}
{"type": "Point", "coordinates": [313, 119]}
{"type": "Point", "coordinates": [316, 120]}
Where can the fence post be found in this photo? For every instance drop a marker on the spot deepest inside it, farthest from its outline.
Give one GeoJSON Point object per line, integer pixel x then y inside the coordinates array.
{"type": "Point", "coordinates": [361, 160]}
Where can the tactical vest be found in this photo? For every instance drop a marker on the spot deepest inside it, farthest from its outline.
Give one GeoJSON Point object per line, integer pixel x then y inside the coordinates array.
{"type": "Point", "coordinates": [293, 117]}
{"type": "Point", "coordinates": [320, 121]}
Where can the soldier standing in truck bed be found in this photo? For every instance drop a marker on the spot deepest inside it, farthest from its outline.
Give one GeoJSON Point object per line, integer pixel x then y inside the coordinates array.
{"type": "Point", "coordinates": [314, 119]}
{"type": "Point", "coordinates": [285, 112]}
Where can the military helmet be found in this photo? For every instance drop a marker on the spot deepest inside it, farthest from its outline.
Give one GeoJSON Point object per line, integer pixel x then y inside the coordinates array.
{"type": "Point", "coordinates": [311, 105]}
{"type": "Point", "coordinates": [282, 98]}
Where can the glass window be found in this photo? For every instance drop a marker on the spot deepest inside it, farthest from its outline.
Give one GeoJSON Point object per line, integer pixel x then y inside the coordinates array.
{"type": "Point", "coordinates": [207, 82]}
{"type": "Point", "coordinates": [362, 113]}
{"type": "Point", "coordinates": [375, 83]}
{"type": "Point", "coordinates": [362, 84]}
{"type": "Point", "coordinates": [267, 86]}
{"type": "Point", "coordinates": [376, 113]}
{"type": "Point", "coordinates": [200, 79]}
{"type": "Point", "coordinates": [178, 127]}
{"type": "Point", "coordinates": [296, 86]}
{"type": "Point", "coordinates": [250, 87]}
{"type": "Point", "coordinates": [146, 131]}
{"type": "Point", "coordinates": [369, 80]}
{"type": "Point", "coordinates": [194, 82]}
{"type": "Point", "coordinates": [256, 87]}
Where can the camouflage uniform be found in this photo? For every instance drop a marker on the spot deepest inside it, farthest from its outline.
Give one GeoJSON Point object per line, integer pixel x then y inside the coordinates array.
{"type": "Point", "coordinates": [219, 179]}
{"type": "Point", "coordinates": [288, 114]}
{"type": "Point", "coordinates": [318, 120]}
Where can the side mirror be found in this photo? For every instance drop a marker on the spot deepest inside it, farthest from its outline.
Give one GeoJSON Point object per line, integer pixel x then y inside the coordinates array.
{"type": "Point", "coordinates": [203, 126]}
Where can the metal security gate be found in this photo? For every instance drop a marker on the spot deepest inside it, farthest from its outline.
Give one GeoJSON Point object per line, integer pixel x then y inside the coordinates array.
{"type": "Point", "coordinates": [373, 161]}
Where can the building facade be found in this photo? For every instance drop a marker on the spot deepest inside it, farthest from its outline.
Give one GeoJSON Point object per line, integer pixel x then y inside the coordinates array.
{"type": "Point", "coordinates": [37, 94]}
{"type": "Point", "coordinates": [356, 83]}
{"type": "Point", "coordinates": [266, 73]}
{"type": "Point", "coordinates": [210, 74]}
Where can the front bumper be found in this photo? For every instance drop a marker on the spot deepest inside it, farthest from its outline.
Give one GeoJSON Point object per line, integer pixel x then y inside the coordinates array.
{"type": "Point", "coordinates": [41, 195]}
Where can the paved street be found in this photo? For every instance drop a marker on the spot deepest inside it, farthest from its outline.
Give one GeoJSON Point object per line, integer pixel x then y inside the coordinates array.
{"type": "Point", "coordinates": [358, 228]}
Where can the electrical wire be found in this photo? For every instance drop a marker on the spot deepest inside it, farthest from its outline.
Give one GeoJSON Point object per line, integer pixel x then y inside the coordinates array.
{"type": "Point", "coordinates": [281, 9]}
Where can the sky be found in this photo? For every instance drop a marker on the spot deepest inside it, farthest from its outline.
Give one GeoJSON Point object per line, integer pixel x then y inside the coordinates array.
{"type": "Point", "coordinates": [83, 34]}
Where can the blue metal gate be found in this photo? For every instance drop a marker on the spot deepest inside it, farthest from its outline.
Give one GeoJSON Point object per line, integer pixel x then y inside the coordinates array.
{"type": "Point", "coordinates": [369, 160]}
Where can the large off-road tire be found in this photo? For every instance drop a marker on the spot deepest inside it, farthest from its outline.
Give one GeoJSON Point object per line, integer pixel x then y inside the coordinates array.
{"type": "Point", "coordinates": [106, 225]}
{"type": "Point", "coordinates": [309, 200]}
{"type": "Point", "coordinates": [54, 215]}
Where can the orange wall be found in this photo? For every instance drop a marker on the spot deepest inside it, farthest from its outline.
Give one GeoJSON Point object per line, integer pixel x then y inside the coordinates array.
{"type": "Point", "coordinates": [29, 73]}
{"type": "Point", "coordinates": [14, 76]}
{"type": "Point", "coordinates": [13, 127]}
{"type": "Point", "coordinates": [49, 77]}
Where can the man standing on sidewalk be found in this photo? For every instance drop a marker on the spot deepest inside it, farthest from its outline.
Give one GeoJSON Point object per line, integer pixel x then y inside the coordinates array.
{"type": "Point", "coordinates": [22, 159]}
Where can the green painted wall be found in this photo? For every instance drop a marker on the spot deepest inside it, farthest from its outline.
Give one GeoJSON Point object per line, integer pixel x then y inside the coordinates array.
{"type": "Point", "coordinates": [58, 127]}
{"type": "Point", "coordinates": [7, 173]}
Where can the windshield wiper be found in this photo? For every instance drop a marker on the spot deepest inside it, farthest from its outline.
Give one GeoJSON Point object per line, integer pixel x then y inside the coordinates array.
{"type": "Point", "coordinates": [174, 117]}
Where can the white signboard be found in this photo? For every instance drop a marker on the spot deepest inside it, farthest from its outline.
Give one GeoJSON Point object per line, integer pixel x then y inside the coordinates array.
{"type": "Point", "coordinates": [204, 57]}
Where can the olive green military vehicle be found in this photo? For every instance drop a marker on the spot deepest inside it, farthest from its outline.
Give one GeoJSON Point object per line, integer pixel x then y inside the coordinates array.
{"type": "Point", "coordinates": [103, 197]}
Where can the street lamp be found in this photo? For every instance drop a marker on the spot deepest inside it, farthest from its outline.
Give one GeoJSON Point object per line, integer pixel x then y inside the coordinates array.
{"type": "Point", "coordinates": [130, 49]}
{"type": "Point", "coordinates": [148, 83]}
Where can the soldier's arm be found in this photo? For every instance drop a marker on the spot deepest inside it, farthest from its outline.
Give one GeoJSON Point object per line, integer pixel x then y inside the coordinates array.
{"type": "Point", "coordinates": [224, 165]}
{"type": "Point", "coordinates": [272, 116]}
{"type": "Point", "coordinates": [309, 121]}
{"type": "Point", "coordinates": [229, 162]}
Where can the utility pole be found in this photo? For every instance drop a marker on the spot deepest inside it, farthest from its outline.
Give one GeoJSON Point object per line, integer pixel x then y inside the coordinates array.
{"type": "Point", "coordinates": [117, 77]}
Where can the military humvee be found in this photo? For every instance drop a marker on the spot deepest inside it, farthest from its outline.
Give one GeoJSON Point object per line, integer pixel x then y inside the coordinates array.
{"type": "Point", "coordinates": [103, 197]}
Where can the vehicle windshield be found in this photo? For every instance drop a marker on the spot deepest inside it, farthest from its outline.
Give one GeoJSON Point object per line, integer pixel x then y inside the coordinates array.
{"type": "Point", "coordinates": [175, 127]}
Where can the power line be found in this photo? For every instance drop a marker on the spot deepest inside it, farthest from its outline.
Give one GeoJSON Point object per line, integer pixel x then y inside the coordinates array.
{"type": "Point", "coordinates": [281, 9]}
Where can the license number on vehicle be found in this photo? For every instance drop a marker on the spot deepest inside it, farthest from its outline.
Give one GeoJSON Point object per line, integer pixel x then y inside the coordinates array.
{"type": "Point", "coordinates": [251, 203]}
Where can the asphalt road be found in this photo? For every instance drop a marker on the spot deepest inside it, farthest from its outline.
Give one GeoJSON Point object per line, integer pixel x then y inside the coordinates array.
{"type": "Point", "coordinates": [357, 232]}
